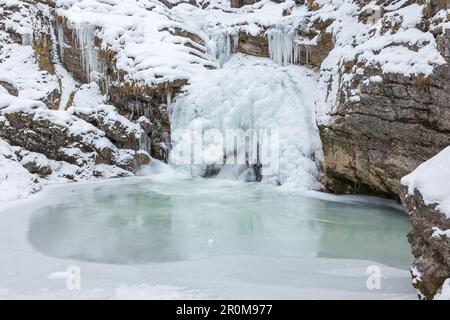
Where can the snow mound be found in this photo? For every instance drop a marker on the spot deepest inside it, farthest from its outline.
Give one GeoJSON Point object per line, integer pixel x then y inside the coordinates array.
{"type": "Point", "coordinates": [15, 181]}
{"type": "Point", "coordinates": [432, 180]}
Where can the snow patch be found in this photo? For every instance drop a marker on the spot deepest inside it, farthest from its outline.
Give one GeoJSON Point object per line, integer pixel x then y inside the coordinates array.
{"type": "Point", "coordinates": [432, 180]}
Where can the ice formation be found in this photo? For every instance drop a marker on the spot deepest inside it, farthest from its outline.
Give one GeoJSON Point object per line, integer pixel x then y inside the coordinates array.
{"type": "Point", "coordinates": [252, 93]}
{"type": "Point", "coordinates": [60, 40]}
{"type": "Point", "coordinates": [224, 45]}
{"type": "Point", "coordinates": [92, 64]}
{"type": "Point", "coordinates": [282, 46]}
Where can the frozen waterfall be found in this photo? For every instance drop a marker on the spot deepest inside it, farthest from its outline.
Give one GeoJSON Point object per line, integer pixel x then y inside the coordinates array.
{"type": "Point", "coordinates": [282, 46]}
{"type": "Point", "coordinates": [249, 94]}
{"type": "Point", "coordinates": [223, 45]}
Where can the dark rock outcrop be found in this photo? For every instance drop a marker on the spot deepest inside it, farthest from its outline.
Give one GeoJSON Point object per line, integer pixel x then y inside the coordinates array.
{"type": "Point", "coordinates": [253, 45]}
{"type": "Point", "coordinates": [241, 3]}
{"type": "Point", "coordinates": [122, 134]}
{"type": "Point", "coordinates": [431, 251]}
{"type": "Point", "coordinates": [9, 87]}
{"type": "Point", "coordinates": [395, 126]}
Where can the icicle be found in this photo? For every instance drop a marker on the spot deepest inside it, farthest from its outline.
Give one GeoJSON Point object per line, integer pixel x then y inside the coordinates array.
{"type": "Point", "coordinates": [60, 38]}
{"type": "Point", "coordinates": [299, 54]}
{"type": "Point", "coordinates": [92, 64]}
{"type": "Point", "coordinates": [145, 143]}
{"type": "Point", "coordinates": [169, 98]}
{"type": "Point", "coordinates": [226, 46]}
{"type": "Point", "coordinates": [27, 39]}
{"type": "Point", "coordinates": [282, 46]}
{"type": "Point", "coordinates": [308, 50]}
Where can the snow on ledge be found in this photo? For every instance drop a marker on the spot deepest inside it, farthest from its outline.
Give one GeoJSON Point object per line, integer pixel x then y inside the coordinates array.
{"type": "Point", "coordinates": [432, 180]}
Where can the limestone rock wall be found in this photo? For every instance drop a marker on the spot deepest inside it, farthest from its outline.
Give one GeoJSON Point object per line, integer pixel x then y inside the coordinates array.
{"type": "Point", "coordinates": [385, 124]}
{"type": "Point", "coordinates": [133, 99]}
{"type": "Point", "coordinates": [431, 250]}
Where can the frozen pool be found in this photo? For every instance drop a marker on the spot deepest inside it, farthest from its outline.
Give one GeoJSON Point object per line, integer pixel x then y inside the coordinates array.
{"type": "Point", "coordinates": [152, 221]}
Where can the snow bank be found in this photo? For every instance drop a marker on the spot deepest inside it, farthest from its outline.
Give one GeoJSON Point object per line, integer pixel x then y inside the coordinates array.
{"type": "Point", "coordinates": [445, 291]}
{"type": "Point", "coordinates": [89, 100]}
{"type": "Point", "coordinates": [18, 63]}
{"type": "Point", "coordinates": [432, 180]}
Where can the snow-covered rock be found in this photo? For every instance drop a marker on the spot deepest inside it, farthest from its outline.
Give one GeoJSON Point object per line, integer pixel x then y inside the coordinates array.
{"type": "Point", "coordinates": [387, 83]}
{"type": "Point", "coordinates": [57, 135]}
{"type": "Point", "coordinates": [426, 197]}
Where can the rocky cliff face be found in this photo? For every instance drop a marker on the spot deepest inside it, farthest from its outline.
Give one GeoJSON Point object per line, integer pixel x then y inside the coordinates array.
{"type": "Point", "coordinates": [430, 248]}
{"type": "Point", "coordinates": [37, 131]}
{"type": "Point", "coordinates": [389, 115]}
{"type": "Point", "coordinates": [425, 196]}
{"type": "Point", "coordinates": [385, 124]}
{"type": "Point", "coordinates": [134, 99]}
{"type": "Point", "coordinates": [395, 126]}
{"type": "Point", "coordinates": [87, 95]}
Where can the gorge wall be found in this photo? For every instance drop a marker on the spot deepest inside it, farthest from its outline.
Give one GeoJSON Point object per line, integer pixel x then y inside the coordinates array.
{"type": "Point", "coordinates": [86, 91]}
{"type": "Point", "coordinates": [394, 125]}
{"type": "Point", "coordinates": [426, 199]}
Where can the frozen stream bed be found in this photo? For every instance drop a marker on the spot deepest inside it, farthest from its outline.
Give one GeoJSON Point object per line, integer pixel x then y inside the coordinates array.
{"type": "Point", "coordinates": [167, 237]}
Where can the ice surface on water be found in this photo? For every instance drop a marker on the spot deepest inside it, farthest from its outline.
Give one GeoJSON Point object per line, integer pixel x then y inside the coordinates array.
{"type": "Point", "coordinates": [251, 93]}
{"type": "Point", "coordinates": [170, 219]}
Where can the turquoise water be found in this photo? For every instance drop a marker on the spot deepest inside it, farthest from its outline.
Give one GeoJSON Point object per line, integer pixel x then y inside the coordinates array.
{"type": "Point", "coordinates": [146, 221]}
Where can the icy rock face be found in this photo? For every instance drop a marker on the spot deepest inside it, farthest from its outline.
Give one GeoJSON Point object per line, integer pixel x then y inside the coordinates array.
{"type": "Point", "coordinates": [297, 36]}
{"type": "Point", "coordinates": [253, 45]}
{"type": "Point", "coordinates": [426, 198]}
{"type": "Point", "coordinates": [390, 113]}
{"type": "Point", "coordinates": [91, 50]}
{"type": "Point", "coordinates": [41, 141]}
{"type": "Point", "coordinates": [26, 57]}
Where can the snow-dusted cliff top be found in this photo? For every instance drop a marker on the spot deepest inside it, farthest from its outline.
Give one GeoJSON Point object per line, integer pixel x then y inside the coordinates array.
{"type": "Point", "coordinates": [141, 32]}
